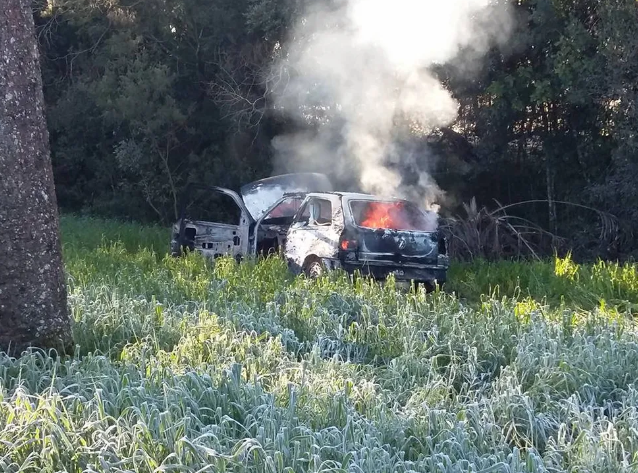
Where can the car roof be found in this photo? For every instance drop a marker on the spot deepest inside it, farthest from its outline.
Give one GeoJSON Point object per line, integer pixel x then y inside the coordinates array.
{"type": "Point", "coordinates": [355, 195]}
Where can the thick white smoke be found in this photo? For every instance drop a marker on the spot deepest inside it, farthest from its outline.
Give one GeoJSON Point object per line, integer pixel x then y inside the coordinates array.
{"type": "Point", "coordinates": [358, 68]}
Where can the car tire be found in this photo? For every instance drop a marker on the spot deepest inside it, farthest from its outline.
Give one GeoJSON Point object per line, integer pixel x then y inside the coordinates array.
{"type": "Point", "coordinates": [314, 269]}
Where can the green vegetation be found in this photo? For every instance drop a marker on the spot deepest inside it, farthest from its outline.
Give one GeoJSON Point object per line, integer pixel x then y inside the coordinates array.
{"type": "Point", "coordinates": [559, 282]}
{"type": "Point", "coordinates": [182, 366]}
{"type": "Point", "coordinates": [145, 97]}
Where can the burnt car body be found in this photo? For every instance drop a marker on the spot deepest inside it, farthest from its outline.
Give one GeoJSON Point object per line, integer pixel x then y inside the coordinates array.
{"type": "Point", "coordinates": [257, 218]}
{"type": "Point", "coordinates": [360, 232]}
{"type": "Point", "coordinates": [316, 229]}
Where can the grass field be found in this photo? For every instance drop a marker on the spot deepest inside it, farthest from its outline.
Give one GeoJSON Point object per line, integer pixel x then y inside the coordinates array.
{"type": "Point", "coordinates": [183, 367]}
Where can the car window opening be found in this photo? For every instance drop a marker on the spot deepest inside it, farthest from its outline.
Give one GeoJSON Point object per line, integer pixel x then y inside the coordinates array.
{"type": "Point", "coordinates": [393, 215]}
{"type": "Point", "coordinates": [318, 212]}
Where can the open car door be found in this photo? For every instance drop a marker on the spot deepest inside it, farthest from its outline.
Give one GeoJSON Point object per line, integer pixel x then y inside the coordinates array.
{"type": "Point", "coordinates": [213, 221]}
{"type": "Point", "coordinates": [216, 221]}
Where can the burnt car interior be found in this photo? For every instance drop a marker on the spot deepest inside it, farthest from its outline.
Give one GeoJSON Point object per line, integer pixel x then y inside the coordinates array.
{"type": "Point", "coordinates": [390, 215]}
{"type": "Point", "coordinates": [272, 228]}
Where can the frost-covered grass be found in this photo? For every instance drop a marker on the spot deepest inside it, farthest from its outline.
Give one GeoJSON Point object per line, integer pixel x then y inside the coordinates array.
{"type": "Point", "coordinates": [185, 367]}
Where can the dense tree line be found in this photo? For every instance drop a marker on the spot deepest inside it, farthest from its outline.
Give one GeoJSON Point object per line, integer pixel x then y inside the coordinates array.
{"type": "Point", "coordinates": [146, 96]}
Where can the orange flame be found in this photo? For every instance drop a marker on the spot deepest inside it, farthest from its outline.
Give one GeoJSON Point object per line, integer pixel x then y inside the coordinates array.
{"type": "Point", "coordinates": [384, 215]}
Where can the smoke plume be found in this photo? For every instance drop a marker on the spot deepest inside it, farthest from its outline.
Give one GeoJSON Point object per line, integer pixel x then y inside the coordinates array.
{"type": "Point", "coordinates": [356, 77]}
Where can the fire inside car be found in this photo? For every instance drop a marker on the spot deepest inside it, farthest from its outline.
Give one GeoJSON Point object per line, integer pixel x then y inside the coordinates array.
{"type": "Point", "coordinates": [394, 215]}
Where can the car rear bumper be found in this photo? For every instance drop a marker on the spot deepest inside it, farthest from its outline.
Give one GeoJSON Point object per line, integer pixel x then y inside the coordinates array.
{"type": "Point", "coordinates": [412, 272]}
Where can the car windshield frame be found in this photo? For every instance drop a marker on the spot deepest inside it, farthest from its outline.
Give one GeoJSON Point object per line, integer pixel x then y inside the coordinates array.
{"type": "Point", "coordinates": [281, 219]}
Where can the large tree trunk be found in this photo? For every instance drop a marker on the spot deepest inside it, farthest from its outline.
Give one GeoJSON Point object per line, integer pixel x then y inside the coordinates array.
{"type": "Point", "coordinates": [33, 300]}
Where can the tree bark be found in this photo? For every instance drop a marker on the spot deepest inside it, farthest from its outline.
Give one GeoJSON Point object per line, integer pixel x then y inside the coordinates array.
{"type": "Point", "coordinates": [33, 298]}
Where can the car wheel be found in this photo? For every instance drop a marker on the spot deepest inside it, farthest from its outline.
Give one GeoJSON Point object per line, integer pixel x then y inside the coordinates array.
{"type": "Point", "coordinates": [314, 269]}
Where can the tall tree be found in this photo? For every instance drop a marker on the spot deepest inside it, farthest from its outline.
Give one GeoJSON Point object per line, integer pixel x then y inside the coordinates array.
{"type": "Point", "coordinates": [33, 299]}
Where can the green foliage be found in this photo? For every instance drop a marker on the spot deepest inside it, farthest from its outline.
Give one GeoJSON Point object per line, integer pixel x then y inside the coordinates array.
{"type": "Point", "coordinates": [547, 119]}
{"type": "Point", "coordinates": [563, 283]}
{"type": "Point", "coordinates": [146, 97]}
{"type": "Point", "coordinates": [186, 366]}
{"type": "Point", "coordinates": [131, 116]}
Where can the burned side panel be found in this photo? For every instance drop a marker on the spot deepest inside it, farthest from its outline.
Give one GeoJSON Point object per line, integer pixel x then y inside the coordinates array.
{"type": "Point", "coordinates": [322, 241]}
{"type": "Point", "coordinates": [307, 242]}
{"type": "Point", "coordinates": [211, 239]}
{"type": "Point", "coordinates": [195, 232]}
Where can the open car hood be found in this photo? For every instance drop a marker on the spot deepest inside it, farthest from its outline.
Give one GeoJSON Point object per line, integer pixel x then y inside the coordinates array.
{"type": "Point", "coordinates": [258, 196]}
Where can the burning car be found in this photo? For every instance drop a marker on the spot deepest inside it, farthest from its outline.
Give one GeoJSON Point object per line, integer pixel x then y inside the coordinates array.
{"type": "Point", "coordinates": [360, 232]}
{"type": "Point", "coordinates": [316, 229]}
